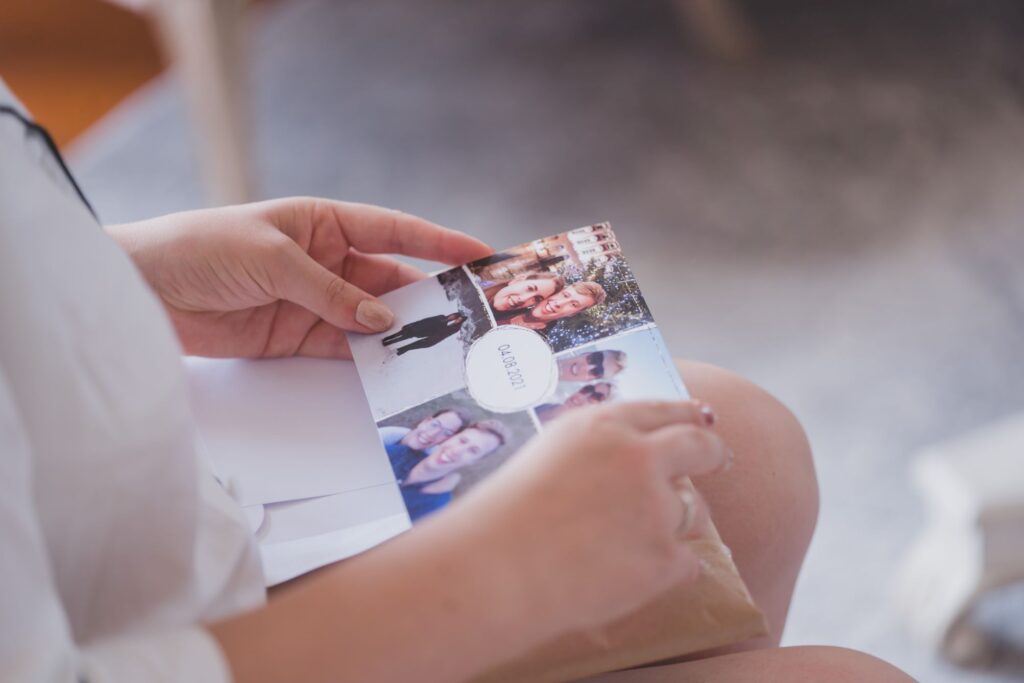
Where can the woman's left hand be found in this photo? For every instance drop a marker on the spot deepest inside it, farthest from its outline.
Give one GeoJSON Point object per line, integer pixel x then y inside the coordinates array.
{"type": "Point", "coordinates": [284, 277]}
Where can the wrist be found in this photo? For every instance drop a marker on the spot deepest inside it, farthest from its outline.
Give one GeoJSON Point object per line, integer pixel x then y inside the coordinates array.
{"type": "Point", "coordinates": [123, 235]}
{"type": "Point", "coordinates": [488, 565]}
{"type": "Point", "coordinates": [501, 550]}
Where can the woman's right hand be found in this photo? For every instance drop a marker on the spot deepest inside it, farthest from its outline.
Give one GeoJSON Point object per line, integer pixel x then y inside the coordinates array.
{"type": "Point", "coordinates": [580, 527]}
{"type": "Point", "coordinates": [590, 512]}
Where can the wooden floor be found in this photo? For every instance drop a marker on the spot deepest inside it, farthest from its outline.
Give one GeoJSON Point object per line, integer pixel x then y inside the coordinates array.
{"type": "Point", "coordinates": [71, 61]}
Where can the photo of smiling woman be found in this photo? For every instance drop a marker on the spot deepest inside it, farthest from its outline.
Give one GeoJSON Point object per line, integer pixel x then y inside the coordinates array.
{"type": "Point", "coordinates": [522, 291]}
{"type": "Point", "coordinates": [440, 449]}
{"type": "Point", "coordinates": [573, 288]}
{"type": "Point", "coordinates": [566, 303]}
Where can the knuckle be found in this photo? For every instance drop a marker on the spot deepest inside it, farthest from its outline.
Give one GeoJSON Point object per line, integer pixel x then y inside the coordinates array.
{"type": "Point", "coordinates": [275, 244]}
{"type": "Point", "coordinates": [336, 290]}
{"type": "Point", "coordinates": [664, 557]}
{"type": "Point", "coordinates": [697, 439]}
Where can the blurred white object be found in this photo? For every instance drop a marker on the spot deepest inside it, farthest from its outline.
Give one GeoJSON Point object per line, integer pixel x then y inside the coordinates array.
{"type": "Point", "coordinates": [974, 542]}
{"type": "Point", "coordinates": [293, 441]}
{"type": "Point", "coordinates": [287, 429]}
{"type": "Point", "coordinates": [203, 40]}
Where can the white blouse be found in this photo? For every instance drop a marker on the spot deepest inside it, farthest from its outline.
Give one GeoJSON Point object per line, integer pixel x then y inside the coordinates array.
{"type": "Point", "coordinates": [116, 543]}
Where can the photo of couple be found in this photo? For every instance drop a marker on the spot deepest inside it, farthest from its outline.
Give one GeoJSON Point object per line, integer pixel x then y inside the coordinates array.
{"type": "Point", "coordinates": [441, 448]}
{"type": "Point", "coordinates": [635, 365]}
{"type": "Point", "coordinates": [573, 288]}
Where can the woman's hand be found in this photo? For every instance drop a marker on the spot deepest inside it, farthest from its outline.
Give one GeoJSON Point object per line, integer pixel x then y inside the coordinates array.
{"type": "Point", "coordinates": [591, 514]}
{"type": "Point", "coordinates": [583, 525]}
{"type": "Point", "coordinates": [283, 277]}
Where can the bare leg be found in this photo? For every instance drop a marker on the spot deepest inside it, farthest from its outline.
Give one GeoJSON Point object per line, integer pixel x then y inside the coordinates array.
{"type": "Point", "coordinates": [766, 506]}
{"type": "Point", "coordinates": [790, 664]}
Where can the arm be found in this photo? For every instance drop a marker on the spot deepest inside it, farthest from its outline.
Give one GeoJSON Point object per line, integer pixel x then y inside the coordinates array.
{"type": "Point", "coordinates": [36, 638]}
{"type": "Point", "coordinates": [561, 538]}
{"type": "Point", "coordinates": [441, 603]}
{"type": "Point", "coordinates": [283, 277]}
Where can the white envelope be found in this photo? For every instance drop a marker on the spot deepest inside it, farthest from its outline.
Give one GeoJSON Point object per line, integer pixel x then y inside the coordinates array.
{"type": "Point", "coordinates": [288, 429]}
{"type": "Point", "coordinates": [286, 560]}
{"type": "Point", "coordinates": [281, 522]}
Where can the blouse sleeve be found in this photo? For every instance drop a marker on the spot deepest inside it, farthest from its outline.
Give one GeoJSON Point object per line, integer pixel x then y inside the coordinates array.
{"type": "Point", "coordinates": [36, 643]}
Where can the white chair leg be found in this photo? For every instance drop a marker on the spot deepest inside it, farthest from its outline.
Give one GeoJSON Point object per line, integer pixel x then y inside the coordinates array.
{"type": "Point", "coordinates": [204, 40]}
{"type": "Point", "coordinates": [974, 542]}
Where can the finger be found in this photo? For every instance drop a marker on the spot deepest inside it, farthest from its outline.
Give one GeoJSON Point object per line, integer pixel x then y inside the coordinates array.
{"type": "Point", "coordinates": [297, 277]}
{"type": "Point", "coordinates": [687, 450]}
{"type": "Point", "coordinates": [374, 229]}
{"type": "Point", "coordinates": [647, 416]}
{"type": "Point", "coordinates": [378, 274]}
{"type": "Point", "coordinates": [687, 565]}
{"type": "Point", "coordinates": [694, 515]}
{"type": "Point", "coordinates": [324, 340]}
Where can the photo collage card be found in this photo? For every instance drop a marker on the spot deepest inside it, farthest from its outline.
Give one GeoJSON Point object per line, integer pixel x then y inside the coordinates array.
{"type": "Point", "coordinates": [481, 357]}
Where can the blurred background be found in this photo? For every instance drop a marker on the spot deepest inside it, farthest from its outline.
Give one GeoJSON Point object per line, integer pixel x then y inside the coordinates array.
{"type": "Point", "coordinates": [826, 197]}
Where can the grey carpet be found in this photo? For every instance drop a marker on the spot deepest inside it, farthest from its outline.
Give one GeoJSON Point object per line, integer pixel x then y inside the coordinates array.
{"type": "Point", "coordinates": [838, 219]}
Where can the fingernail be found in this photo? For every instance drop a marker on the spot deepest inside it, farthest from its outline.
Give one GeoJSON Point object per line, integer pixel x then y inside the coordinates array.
{"type": "Point", "coordinates": [374, 314]}
{"type": "Point", "coordinates": [707, 414]}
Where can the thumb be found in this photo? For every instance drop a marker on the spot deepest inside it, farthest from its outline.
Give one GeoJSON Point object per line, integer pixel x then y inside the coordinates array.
{"type": "Point", "coordinates": [304, 281]}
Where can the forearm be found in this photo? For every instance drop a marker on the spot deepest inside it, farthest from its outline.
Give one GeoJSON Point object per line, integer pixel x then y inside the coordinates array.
{"type": "Point", "coordinates": [442, 603]}
{"type": "Point", "coordinates": [147, 245]}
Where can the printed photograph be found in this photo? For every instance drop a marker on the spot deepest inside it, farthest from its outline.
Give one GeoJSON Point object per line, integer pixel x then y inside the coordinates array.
{"type": "Point", "coordinates": [441, 449]}
{"type": "Point", "coordinates": [423, 354]}
{"type": "Point", "coordinates": [631, 366]}
{"type": "Point", "coordinates": [574, 288]}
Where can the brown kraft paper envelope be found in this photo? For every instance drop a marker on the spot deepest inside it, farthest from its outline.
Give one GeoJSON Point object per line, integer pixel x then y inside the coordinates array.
{"type": "Point", "coordinates": [713, 611]}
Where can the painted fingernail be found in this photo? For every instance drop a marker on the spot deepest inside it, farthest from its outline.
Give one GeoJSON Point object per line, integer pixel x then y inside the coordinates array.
{"type": "Point", "coordinates": [374, 314]}
{"type": "Point", "coordinates": [707, 414]}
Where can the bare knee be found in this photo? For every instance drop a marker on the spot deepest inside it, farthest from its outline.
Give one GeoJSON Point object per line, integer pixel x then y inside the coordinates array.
{"type": "Point", "coordinates": [769, 441]}
{"type": "Point", "coordinates": [766, 506]}
{"type": "Point", "coordinates": [834, 664]}
{"type": "Point", "coordinates": [804, 664]}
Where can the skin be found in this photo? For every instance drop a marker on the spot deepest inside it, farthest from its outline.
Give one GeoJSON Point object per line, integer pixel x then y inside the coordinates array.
{"type": "Point", "coordinates": [578, 529]}
{"type": "Point", "coordinates": [806, 663]}
{"type": "Point", "coordinates": [430, 431]}
{"type": "Point", "coordinates": [558, 539]}
{"type": "Point", "coordinates": [766, 506]}
{"type": "Point", "coordinates": [461, 450]}
{"type": "Point", "coordinates": [523, 294]}
{"type": "Point", "coordinates": [284, 277]}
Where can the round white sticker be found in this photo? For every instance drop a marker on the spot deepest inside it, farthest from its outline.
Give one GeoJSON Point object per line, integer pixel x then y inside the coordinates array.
{"type": "Point", "coordinates": [510, 368]}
